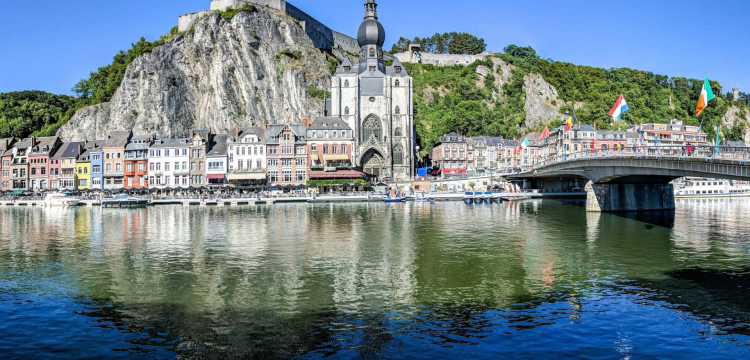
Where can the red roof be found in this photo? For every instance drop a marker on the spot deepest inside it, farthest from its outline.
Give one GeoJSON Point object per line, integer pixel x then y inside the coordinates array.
{"type": "Point", "coordinates": [338, 174]}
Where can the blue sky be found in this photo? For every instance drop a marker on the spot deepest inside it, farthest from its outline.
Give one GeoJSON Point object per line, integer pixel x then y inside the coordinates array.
{"type": "Point", "coordinates": [50, 45]}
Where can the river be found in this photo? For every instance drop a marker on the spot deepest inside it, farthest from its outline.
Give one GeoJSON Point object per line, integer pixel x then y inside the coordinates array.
{"type": "Point", "coordinates": [422, 281]}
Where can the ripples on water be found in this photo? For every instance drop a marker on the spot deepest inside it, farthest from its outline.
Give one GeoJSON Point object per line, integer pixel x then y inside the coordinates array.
{"type": "Point", "coordinates": [415, 280]}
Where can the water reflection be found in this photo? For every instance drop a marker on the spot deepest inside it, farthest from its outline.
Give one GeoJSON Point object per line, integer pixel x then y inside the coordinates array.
{"type": "Point", "coordinates": [367, 279]}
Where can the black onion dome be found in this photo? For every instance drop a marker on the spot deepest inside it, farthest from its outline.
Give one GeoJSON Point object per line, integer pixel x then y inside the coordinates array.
{"type": "Point", "coordinates": [371, 32]}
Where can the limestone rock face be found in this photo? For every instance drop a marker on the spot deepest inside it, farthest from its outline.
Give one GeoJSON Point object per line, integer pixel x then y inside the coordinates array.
{"type": "Point", "coordinates": [735, 116]}
{"type": "Point", "coordinates": [542, 102]}
{"type": "Point", "coordinates": [253, 70]}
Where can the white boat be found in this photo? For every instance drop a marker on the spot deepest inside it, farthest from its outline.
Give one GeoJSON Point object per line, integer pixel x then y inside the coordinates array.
{"type": "Point", "coordinates": [699, 188]}
{"type": "Point", "coordinates": [61, 200]}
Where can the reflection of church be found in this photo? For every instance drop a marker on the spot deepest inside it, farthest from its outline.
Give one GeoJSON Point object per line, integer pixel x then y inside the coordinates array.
{"type": "Point", "coordinates": [375, 100]}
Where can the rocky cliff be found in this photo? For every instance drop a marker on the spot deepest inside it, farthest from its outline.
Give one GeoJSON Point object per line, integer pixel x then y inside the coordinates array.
{"type": "Point", "coordinates": [256, 68]}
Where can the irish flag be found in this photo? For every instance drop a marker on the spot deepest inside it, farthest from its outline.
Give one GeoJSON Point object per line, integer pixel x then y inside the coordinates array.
{"type": "Point", "coordinates": [707, 95]}
{"type": "Point", "coordinates": [620, 108]}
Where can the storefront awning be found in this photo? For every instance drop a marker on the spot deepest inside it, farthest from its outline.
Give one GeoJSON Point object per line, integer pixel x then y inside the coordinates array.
{"type": "Point", "coordinates": [215, 176]}
{"type": "Point", "coordinates": [247, 176]}
{"type": "Point", "coordinates": [340, 174]}
{"type": "Point", "coordinates": [336, 157]}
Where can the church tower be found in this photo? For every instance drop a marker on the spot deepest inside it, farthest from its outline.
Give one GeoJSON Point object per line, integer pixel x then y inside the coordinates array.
{"type": "Point", "coordinates": [375, 100]}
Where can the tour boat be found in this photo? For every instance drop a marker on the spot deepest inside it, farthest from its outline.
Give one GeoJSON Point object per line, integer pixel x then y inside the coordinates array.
{"type": "Point", "coordinates": [124, 201]}
{"type": "Point", "coordinates": [699, 188]}
{"type": "Point", "coordinates": [60, 200]}
{"type": "Point", "coordinates": [393, 200]}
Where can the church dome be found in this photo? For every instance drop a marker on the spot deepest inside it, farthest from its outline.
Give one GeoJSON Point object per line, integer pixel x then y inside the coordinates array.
{"type": "Point", "coordinates": [371, 32]}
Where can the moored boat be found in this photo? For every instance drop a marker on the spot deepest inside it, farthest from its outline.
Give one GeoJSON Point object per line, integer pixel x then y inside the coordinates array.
{"type": "Point", "coordinates": [61, 200]}
{"type": "Point", "coordinates": [124, 201]}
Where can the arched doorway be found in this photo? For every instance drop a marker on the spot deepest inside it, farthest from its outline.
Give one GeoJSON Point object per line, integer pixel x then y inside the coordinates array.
{"type": "Point", "coordinates": [373, 163]}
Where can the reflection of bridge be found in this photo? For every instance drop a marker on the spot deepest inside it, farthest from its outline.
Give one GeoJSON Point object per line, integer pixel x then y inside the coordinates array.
{"type": "Point", "coordinates": [638, 178]}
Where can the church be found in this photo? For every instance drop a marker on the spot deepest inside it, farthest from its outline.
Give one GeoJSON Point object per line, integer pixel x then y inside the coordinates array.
{"type": "Point", "coordinates": [376, 101]}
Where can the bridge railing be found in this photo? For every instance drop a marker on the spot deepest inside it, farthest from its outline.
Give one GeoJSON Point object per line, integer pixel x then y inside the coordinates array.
{"type": "Point", "coordinates": [738, 154]}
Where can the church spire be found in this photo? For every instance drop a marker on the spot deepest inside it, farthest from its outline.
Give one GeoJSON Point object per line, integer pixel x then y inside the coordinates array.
{"type": "Point", "coordinates": [371, 9]}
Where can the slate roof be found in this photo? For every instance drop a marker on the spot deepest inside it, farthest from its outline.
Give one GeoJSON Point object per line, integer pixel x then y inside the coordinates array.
{"type": "Point", "coordinates": [171, 143]}
{"type": "Point", "coordinates": [117, 139]}
{"type": "Point", "coordinates": [44, 145]}
{"type": "Point", "coordinates": [138, 143]}
{"type": "Point", "coordinates": [329, 123]}
{"type": "Point", "coordinates": [219, 146]}
{"type": "Point", "coordinates": [487, 140]}
{"type": "Point", "coordinates": [6, 143]}
{"type": "Point", "coordinates": [273, 131]}
{"type": "Point", "coordinates": [259, 132]}
{"type": "Point", "coordinates": [68, 150]}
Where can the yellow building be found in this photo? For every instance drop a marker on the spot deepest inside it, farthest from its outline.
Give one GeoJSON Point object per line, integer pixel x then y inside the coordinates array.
{"type": "Point", "coordinates": [83, 171]}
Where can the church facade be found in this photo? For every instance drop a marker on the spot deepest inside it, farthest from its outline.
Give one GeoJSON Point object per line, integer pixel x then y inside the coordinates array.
{"type": "Point", "coordinates": [376, 101]}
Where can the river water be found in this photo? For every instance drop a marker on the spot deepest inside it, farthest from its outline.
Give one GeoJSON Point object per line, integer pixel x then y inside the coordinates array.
{"type": "Point", "coordinates": [423, 281]}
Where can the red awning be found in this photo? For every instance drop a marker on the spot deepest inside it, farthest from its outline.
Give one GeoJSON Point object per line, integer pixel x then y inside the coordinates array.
{"type": "Point", "coordinates": [339, 174]}
{"type": "Point", "coordinates": [215, 177]}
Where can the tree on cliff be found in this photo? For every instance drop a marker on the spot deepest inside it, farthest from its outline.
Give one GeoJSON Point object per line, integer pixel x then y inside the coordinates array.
{"type": "Point", "coordinates": [445, 43]}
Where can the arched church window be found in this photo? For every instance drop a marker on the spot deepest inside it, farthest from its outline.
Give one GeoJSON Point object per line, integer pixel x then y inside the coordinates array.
{"type": "Point", "coordinates": [398, 155]}
{"type": "Point", "coordinates": [398, 132]}
{"type": "Point", "coordinates": [372, 52]}
{"type": "Point", "coordinates": [397, 83]}
{"type": "Point", "coordinates": [397, 110]}
{"type": "Point", "coordinates": [346, 110]}
{"type": "Point", "coordinates": [371, 128]}
{"type": "Point", "coordinates": [346, 83]}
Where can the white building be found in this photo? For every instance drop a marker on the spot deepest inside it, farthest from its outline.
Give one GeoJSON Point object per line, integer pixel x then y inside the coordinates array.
{"type": "Point", "coordinates": [169, 163]}
{"type": "Point", "coordinates": [376, 103]}
{"type": "Point", "coordinates": [246, 154]}
{"type": "Point", "coordinates": [217, 162]}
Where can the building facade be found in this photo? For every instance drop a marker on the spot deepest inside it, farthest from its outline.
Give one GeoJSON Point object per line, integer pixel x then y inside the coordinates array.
{"type": "Point", "coordinates": [451, 154]}
{"type": "Point", "coordinates": [198, 147]}
{"type": "Point", "coordinates": [95, 150]}
{"type": "Point", "coordinates": [217, 165]}
{"type": "Point", "coordinates": [65, 164]}
{"type": "Point", "coordinates": [39, 162]}
{"type": "Point", "coordinates": [376, 102]}
{"type": "Point", "coordinates": [114, 160]}
{"type": "Point", "coordinates": [83, 169]}
{"type": "Point", "coordinates": [246, 157]}
{"type": "Point", "coordinates": [286, 150]}
{"type": "Point", "coordinates": [330, 144]}
{"type": "Point", "coordinates": [168, 163]}
{"type": "Point", "coordinates": [136, 163]}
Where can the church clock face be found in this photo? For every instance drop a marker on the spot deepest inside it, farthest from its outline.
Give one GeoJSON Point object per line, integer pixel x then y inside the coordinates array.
{"type": "Point", "coordinates": [372, 99]}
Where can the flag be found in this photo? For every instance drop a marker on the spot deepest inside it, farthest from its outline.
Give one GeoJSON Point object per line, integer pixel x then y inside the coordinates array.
{"type": "Point", "coordinates": [525, 143]}
{"type": "Point", "coordinates": [620, 108]}
{"type": "Point", "coordinates": [707, 95]}
{"type": "Point", "coordinates": [545, 134]}
{"type": "Point", "coordinates": [569, 123]}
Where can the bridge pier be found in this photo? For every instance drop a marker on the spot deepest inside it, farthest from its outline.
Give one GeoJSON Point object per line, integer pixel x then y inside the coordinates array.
{"type": "Point", "coordinates": [623, 197]}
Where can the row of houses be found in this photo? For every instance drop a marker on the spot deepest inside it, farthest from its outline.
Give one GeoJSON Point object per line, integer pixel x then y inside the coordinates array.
{"type": "Point", "coordinates": [467, 156]}
{"type": "Point", "coordinates": [279, 155]}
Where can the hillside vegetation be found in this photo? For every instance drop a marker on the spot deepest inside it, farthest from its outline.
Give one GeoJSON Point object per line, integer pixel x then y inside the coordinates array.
{"type": "Point", "coordinates": [458, 99]}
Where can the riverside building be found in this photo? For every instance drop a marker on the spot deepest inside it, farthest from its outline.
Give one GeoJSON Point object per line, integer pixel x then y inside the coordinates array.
{"type": "Point", "coordinates": [168, 161]}
{"type": "Point", "coordinates": [39, 163]}
{"type": "Point", "coordinates": [286, 150]}
{"type": "Point", "coordinates": [247, 157]}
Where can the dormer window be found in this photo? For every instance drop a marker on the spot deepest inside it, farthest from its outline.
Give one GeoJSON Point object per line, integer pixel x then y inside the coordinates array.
{"type": "Point", "coordinates": [346, 83]}
{"type": "Point", "coordinates": [398, 70]}
{"type": "Point", "coordinates": [397, 83]}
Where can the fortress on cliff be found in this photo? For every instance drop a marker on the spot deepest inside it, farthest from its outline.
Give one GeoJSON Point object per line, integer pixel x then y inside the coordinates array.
{"type": "Point", "coordinates": [322, 36]}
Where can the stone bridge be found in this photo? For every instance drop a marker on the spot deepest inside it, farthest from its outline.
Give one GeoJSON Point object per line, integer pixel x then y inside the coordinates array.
{"type": "Point", "coordinates": [639, 178]}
